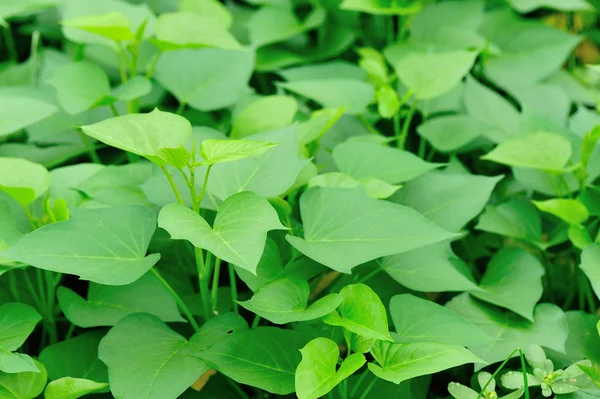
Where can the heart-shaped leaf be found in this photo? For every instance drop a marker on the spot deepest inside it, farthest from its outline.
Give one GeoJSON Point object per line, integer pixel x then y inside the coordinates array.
{"type": "Point", "coordinates": [220, 151]}
{"type": "Point", "coordinates": [143, 134]}
{"type": "Point", "coordinates": [18, 321]}
{"type": "Point", "coordinates": [23, 180]}
{"type": "Point", "coordinates": [71, 388]}
{"type": "Point", "coordinates": [400, 362]}
{"type": "Point", "coordinates": [18, 112]}
{"type": "Point", "coordinates": [285, 300]}
{"type": "Point", "coordinates": [106, 245]}
{"type": "Point", "coordinates": [361, 312]}
{"type": "Point", "coordinates": [317, 374]}
{"type": "Point", "coordinates": [344, 228]}
{"type": "Point", "coordinates": [238, 234]}
{"type": "Point", "coordinates": [112, 25]}
{"type": "Point", "coordinates": [27, 385]}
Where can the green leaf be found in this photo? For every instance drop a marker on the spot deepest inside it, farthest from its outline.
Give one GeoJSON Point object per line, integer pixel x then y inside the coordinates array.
{"type": "Point", "coordinates": [459, 391]}
{"type": "Point", "coordinates": [512, 280]}
{"type": "Point", "coordinates": [515, 219]}
{"type": "Point", "coordinates": [525, 6]}
{"type": "Point", "coordinates": [274, 23]}
{"type": "Point", "coordinates": [23, 180]}
{"type": "Point", "coordinates": [12, 362]}
{"type": "Point", "coordinates": [344, 228]}
{"type": "Point", "coordinates": [269, 175]}
{"type": "Point", "coordinates": [373, 188]}
{"type": "Point", "coordinates": [18, 112]}
{"type": "Point", "coordinates": [327, 70]}
{"type": "Point", "coordinates": [433, 268]}
{"type": "Point", "coordinates": [401, 362]}
{"type": "Point", "coordinates": [428, 74]}
{"type": "Point", "coordinates": [317, 374]}
{"type": "Point", "coordinates": [71, 388]}
{"type": "Point", "coordinates": [27, 385]}
{"type": "Point", "coordinates": [451, 133]}
{"type": "Point", "coordinates": [238, 234]}
{"type": "Point", "coordinates": [540, 150]}
{"type": "Point", "coordinates": [361, 312]}
{"type": "Point", "coordinates": [82, 352]}
{"type": "Point", "coordinates": [208, 8]}
{"type": "Point", "coordinates": [80, 86]}
{"type": "Point", "coordinates": [393, 166]}
{"type": "Point", "coordinates": [388, 103]}
{"type": "Point", "coordinates": [539, 51]}
{"type": "Point", "coordinates": [176, 157]}
{"type": "Point", "coordinates": [145, 358]}
{"type": "Point", "coordinates": [113, 25]}
{"type": "Point", "coordinates": [106, 305]}
{"type": "Point", "coordinates": [264, 357]}
{"type": "Point", "coordinates": [353, 95]}
{"type": "Point", "coordinates": [285, 300]}
{"type": "Point", "coordinates": [510, 331]}
{"type": "Point", "coordinates": [220, 151]}
{"type": "Point", "coordinates": [592, 372]}
{"type": "Point", "coordinates": [441, 324]}
{"type": "Point", "coordinates": [382, 7]}
{"type": "Point", "coordinates": [135, 87]}
{"type": "Point", "coordinates": [205, 79]}
{"type": "Point", "coordinates": [590, 264]}
{"type": "Point", "coordinates": [184, 29]}
{"type": "Point", "coordinates": [569, 210]}
{"type": "Point", "coordinates": [18, 321]}
{"type": "Point", "coordinates": [449, 200]}
{"type": "Point", "coordinates": [265, 114]}
{"type": "Point", "coordinates": [142, 134]}
{"type": "Point", "coordinates": [107, 245]}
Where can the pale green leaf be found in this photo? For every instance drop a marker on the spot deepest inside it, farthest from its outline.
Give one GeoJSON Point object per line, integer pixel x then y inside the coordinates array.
{"type": "Point", "coordinates": [13, 363]}
{"type": "Point", "coordinates": [344, 228]}
{"type": "Point", "coordinates": [274, 23]}
{"type": "Point", "coordinates": [451, 133]}
{"type": "Point", "coordinates": [71, 388]}
{"type": "Point", "coordinates": [205, 79]}
{"type": "Point", "coordinates": [569, 210]}
{"type": "Point", "coordinates": [220, 151]}
{"type": "Point", "coordinates": [135, 87]}
{"type": "Point", "coordinates": [362, 160]}
{"type": "Point", "coordinates": [429, 74]}
{"type": "Point", "coordinates": [590, 264]}
{"type": "Point", "coordinates": [106, 245]}
{"type": "Point", "coordinates": [525, 6]}
{"type": "Point", "coordinates": [510, 331]}
{"type": "Point", "coordinates": [361, 312]}
{"type": "Point", "coordinates": [265, 114]}
{"type": "Point", "coordinates": [142, 134]}
{"type": "Point", "coordinates": [80, 86]}
{"type": "Point", "coordinates": [18, 321]}
{"type": "Point", "coordinates": [18, 112]}
{"type": "Point", "coordinates": [113, 25]}
{"type": "Point", "coordinates": [27, 385]}
{"type": "Point", "coordinates": [317, 374]}
{"type": "Point", "coordinates": [449, 200]}
{"type": "Point", "coordinates": [382, 7]}
{"type": "Point", "coordinates": [372, 187]}
{"type": "Point", "coordinates": [513, 280]}
{"type": "Point", "coordinates": [540, 150]}
{"type": "Point", "coordinates": [185, 29]}
{"type": "Point", "coordinates": [353, 95]}
{"type": "Point", "coordinates": [286, 300]}
{"type": "Point", "coordinates": [400, 362]}
{"type": "Point", "coordinates": [441, 324]}
{"type": "Point", "coordinates": [208, 8]}
{"type": "Point", "coordinates": [106, 305]}
{"type": "Point", "coordinates": [23, 180]}
{"type": "Point", "coordinates": [238, 234]}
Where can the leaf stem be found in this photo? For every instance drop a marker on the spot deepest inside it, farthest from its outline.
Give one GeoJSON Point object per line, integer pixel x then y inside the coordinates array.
{"type": "Point", "coordinates": [173, 185]}
{"type": "Point", "coordinates": [256, 321]}
{"type": "Point", "coordinates": [204, 185]}
{"type": "Point", "coordinates": [369, 275]}
{"type": "Point", "coordinates": [360, 381]}
{"type": "Point", "coordinates": [233, 283]}
{"type": "Point", "coordinates": [524, 369]}
{"type": "Point", "coordinates": [155, 59]}
{"type": "Point", "coordinates": [203, 277]}
{"type": "Point", "coordinates": [33, 57]}
{"type": "Point", "coordinates": [177, 299]}
{"type": "Point", "coordinates": [87, 143]}
{"type": "Point", "coordinates": [406, 125]}
{"type": "Point", "coordinates": [180, 108]}
{"type": "Point", "coordinates": [234, 385]}
{"type": "Point", "coordinates": [113, 109]}
{"type": "Point", "coordinates": [215, 284]}
{"type": "Point", "coordinates": [369, 387]}
{"type": "Point", "coordinates": [493, 376]}
{"type": "Point", "coordinates": [13, 56]}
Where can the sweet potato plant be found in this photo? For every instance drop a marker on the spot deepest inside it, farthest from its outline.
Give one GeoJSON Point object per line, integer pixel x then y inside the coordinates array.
{"type": "Point", "coordinates": [355, 199]}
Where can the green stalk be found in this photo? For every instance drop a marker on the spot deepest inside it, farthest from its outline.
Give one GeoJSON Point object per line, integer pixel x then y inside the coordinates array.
{"type": "Point", "coordinates": [496, 373]}
{"type": "Point", "coordinates": [79, 52]}
{"type": "Point", "coordinates": [233, 283]}
{"type": "Point", "coordinates": [13, 56]}
{"type": "Point", "coordinates": [256, 321]}
{"type": "Point", "coordinates": [33, 57]}
{"type": "Point", "coordinates": [87, 143]}
{"type": "Point", "coordinates": [215, 283]}
{"type": "Point", "coordinates": [173, 185]}
{"type": "Point", "coordinates": [524, 369]}
{"type": "Point", "coordinates": [155, 59]}
{"type": "Point", "coordinates": [203, 278]}
{"type": "Point", "coordinates": [369, 387]}
{"type": "Point", "coordinates": [233, 385]}
{"type": "Point", "coordinates": [360, 381]}
{"type": "Point", "coordinates": [406, 126]}
{"type": "Point", "coordinates": [177, 299]}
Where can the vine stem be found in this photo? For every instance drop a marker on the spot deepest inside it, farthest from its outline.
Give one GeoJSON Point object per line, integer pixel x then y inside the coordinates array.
{"type": "Point", "coordinates": [90, 147]}
{"type": "Point", "coordinates": [215, 284]}
{"type": "Point", "coordinates": [177, 299]}
{"type": "Point", "coordinates": [233, 283]}
{"type": "Point", "coordinates": [10, 42]}
{"type": "Point", "coordinates": [369, 387]}
{"type": "Point", "coordinates": [173, 185]}
{"type": "Point", "coordinates": [489, 381]}
{"type": "Point", "coordinates": [406, 125]}
{"type": "Point", "coordinates": [524, 369]}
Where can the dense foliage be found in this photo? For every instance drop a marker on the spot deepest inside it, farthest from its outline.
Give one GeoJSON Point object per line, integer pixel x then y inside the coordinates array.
{"type": "Point", "coordinates": [359, 200]}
